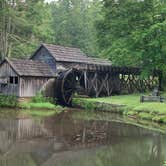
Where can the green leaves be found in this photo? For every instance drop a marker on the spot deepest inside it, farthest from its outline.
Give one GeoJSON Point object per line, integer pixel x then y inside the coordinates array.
{"type": "Point", "coordinates": [74, 24]}
{"type": "Point", "coordinates": [133, 33]}
{"type": "Point", "coordinates": [23, 25]}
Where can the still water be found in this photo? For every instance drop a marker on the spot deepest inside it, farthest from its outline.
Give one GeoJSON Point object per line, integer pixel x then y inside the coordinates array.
{"type": "Point", "coordinates": [66, 140]}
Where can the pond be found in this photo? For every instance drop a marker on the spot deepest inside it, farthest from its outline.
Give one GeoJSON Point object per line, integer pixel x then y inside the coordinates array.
{"type": "Point", "coordinates": [73, 139]}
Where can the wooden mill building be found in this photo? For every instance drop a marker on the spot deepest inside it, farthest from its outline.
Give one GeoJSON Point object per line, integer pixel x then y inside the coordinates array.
{"type": "Point", "coordinates": [58, 71]}
{"type": "Point", "coordinates": [23, 78]}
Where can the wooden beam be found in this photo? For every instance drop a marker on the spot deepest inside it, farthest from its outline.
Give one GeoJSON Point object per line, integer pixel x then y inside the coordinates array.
{"type": "Point", "coordinates": [85, 80]}
{"type": "Point", "coordinates": [103, 82]}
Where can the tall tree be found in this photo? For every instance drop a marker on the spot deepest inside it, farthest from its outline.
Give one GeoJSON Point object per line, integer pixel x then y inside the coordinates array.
{"type": "Point", "coordinates": [132, 32]}
{"type": "Point", "coordinates": [23, 24]}
{"type": "Point", "coordinates": [74, 24]}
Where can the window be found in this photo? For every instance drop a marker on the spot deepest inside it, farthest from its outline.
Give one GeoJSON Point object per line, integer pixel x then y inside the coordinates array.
{"type": "Point", "coordinates": [16, 80]}
{"type": "Point", "coordinates": [13, 80]}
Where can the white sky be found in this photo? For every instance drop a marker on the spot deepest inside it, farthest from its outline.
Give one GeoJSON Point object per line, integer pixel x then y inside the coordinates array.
{"type": "Point", "coordinates": [50, 0]}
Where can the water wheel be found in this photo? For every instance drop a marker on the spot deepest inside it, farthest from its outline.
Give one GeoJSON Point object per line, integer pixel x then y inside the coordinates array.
{"type": "Point", "coordinates": [66, 86]}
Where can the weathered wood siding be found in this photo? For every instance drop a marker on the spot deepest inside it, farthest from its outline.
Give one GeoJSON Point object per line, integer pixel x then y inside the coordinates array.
{"type": "Point", "coordinates": [43, 55]}
{"type": "Point", "coordinates": [79, 66]}
{"type": "Point", "coordinates": [49, 88]}
{"type": "Point", "coordinates": [29, 86]}
{"type": "Point", "coordinates": [68, 65]}
{"type": "Point", "coordinates": [5, 73]}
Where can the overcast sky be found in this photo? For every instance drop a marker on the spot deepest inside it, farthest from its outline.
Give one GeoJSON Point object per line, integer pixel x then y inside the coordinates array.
{"type": "Point", "coordinates": [50, 0]}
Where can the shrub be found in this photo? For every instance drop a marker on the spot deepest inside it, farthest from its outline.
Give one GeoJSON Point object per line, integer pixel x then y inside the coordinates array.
{"type": "Point", "coordinates": [88, 105]}
{"type": "Point", "coordinates": [8, 101]}
{"type": "Point", "coordinates": [131, 113]}
{"type": "Point", "coordinates": [44, 105]}
{"type": "Point", "coordinates": [159, 118]}
{"type": "Point", "coordinates": [164, 163]}
{"type": "Point", "coordinates": [145, 116]}
{"type": "Point", "coordinates": [39, 98]}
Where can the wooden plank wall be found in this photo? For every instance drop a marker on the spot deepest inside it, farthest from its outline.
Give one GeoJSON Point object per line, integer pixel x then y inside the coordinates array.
{"type": "Point", "coordinates": [44, 56]}
{"type": "Point", "coordinates": [69, 65]}
{"type": "Point", "coordinates": [6, 72]}
{"type": "Point", "coordinates": [29, 86]}
{"type": "Point", "coordinates": [48, 88]}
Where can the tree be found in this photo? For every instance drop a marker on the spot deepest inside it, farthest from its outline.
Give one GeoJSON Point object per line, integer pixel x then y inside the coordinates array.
{"type": "Point", "coordinates": [132, 32]}
{"type": "Point", "coordinates": [73, 24]}
{"type": "Point", "coordinates": [23, 25]}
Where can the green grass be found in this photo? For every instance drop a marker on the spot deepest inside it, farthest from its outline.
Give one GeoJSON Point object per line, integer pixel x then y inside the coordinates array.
{"type": "Point", "coordinates": [8, 101]}
{"type": "Point", "coordinates": [41, 109]}
{"type": "Point", "coordinates": [41, 106]}
{"type": "Point", "coordinates": [129, 105]}
{"type": "Point", "coordinates": [31, 105]}
{"type": "Point", "coordinates": [38, 106]}
{"type": "Point", "coordinates": [133, 102]}
{"type": "Point", "coordinates": [42, 113]}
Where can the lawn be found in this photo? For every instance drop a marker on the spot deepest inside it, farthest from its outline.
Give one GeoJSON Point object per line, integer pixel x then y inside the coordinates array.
{"type": "Point", "coordinates": [133, 102]}
{"type": "Point", "coordinates": [44, 105]}
{"type": "Point", "coordinates": [129, 105]}
{"type": "Point", "coordinates": [40, 109]}
{"type": "Point", "coordinates": [42, 113]}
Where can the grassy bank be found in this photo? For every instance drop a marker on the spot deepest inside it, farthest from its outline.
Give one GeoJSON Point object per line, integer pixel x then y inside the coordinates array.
{"type": "Point", "coordinates": [8, 101]}
{"type": "Point", "coordinates": [38, 105]}
{"type": "Point", "coordinates": [40, 113]}
{"type": "Point", "coordinates": [41, 105]}
{"type": "Point", "coordinates": [127, 105]}
{"type": "Point", "coordinates": [41, 109]}
{"type": "Point", "coordinates": [6, 113]}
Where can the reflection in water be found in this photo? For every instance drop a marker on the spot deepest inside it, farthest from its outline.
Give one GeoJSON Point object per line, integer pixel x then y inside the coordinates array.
{"type": "Point", "coordinates": [63, 141]}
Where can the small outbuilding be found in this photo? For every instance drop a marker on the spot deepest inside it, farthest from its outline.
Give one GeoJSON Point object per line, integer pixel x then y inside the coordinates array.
{"type": "Point", "coordinates": [23, 78]}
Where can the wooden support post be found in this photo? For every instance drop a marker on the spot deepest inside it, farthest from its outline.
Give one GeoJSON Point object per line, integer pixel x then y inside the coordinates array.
{"type": "Point", "coordinates": [102, 85]}
{"type": "Point", "coordinates": [160, 81]}
{"type": "Point", "coordinates": [85, 81]}
{"type": "Point", "coordinates": [96, 84]}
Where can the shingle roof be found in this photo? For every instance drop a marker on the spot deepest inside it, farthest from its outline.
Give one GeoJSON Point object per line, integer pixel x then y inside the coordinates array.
{"type": "Point", "coordinates": [26, 67]}
{"type": "Point", "coordinates": [69, 54]}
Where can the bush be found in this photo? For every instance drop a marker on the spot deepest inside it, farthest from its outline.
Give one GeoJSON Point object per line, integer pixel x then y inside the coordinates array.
{"type": "Point", "coordinates": [159, 118]}
{"type": "Point", "coordinates": [130, 113]}
{"type": "Point", "coordinates": [87, 105]}
{"type": "Point", "coordinates": [145, 116]}
{"type": "Point", "coordinates": [8, 101]}
{"type": "Point", "coordinates": [43, 105]}
{"type": "Point", "coordinates": [164, 163]}
{"type": "Point", "coordinates": [39, 98]}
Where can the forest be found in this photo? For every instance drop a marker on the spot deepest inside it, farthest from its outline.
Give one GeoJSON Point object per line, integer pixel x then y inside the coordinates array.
{"type": "Point", "coordinates": [128, 32]}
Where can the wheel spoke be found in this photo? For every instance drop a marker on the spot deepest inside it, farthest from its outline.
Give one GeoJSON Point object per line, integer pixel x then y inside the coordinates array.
{"type": "Point", "coordinates": [68, 81]}
{"type": "Point", "coordinates": [69, 90]}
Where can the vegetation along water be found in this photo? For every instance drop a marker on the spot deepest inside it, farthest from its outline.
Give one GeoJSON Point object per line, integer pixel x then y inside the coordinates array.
{"type": "Point", "coordinates": [127, 105]}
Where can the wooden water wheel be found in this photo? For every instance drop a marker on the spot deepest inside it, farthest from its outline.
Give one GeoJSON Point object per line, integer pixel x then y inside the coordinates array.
{"type": "Point", "coordinates": [66, 86]}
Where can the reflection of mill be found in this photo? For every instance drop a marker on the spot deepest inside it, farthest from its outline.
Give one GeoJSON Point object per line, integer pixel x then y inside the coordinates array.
{"type": "Point", "coordinates": [127, 140]}
{"type": "Point", "coordinates": [19, 139]}
{"type": "Point", "coordinates": [80, 132]}
{"type": "Point", "coordinates": [156, 148]}
{"type": "Point", "coordinates": [27, 141]}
